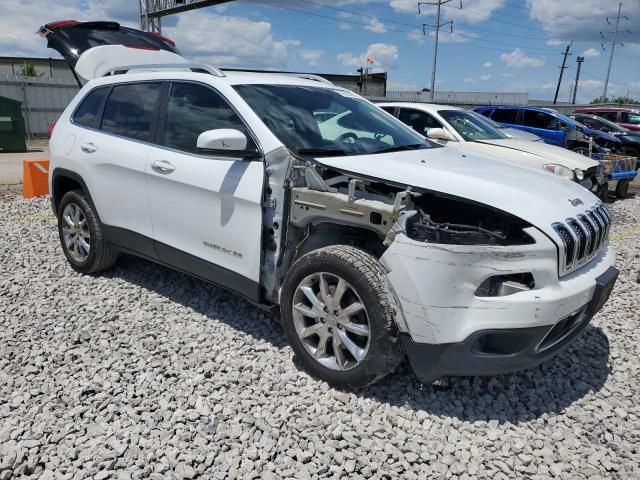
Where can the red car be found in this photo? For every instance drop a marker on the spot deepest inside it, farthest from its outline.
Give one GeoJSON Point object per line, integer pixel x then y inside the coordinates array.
{"type": "Point", "coordinates": [625, 117]}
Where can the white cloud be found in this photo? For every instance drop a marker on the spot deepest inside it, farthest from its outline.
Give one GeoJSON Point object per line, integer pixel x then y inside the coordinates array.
{"type": "Point", "coordinates": [479, 12]}
{"type": "Point", "coordinates": [468, 80]}
{"type": "Point", "coordinates": [376, 26]}
{"type": "Point", "coordinates": [311, 56]}
{"type": "Point", "coordinates": [487, 65]}
{"type": "Point", "coordinates": [484, 78]}
{"type": "Point", "coordinates": [253, 42]}
{"type": "Point", "coordinates": [590, 52]}
{"type": "Point", "coordinates": [554, 42]}
{"type": "Point", "coordinates": [584, 20]}
{"type": "Point", "coordinates": [344, 26]}
{"type": "Point", "coordinates": [384, 54]}
{"type": "Point", "coordinates": [519, 59]}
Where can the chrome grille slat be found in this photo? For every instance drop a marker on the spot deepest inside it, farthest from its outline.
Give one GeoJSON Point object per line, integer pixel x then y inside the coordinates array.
{"type": "Point", "coordinates": [582, 237]}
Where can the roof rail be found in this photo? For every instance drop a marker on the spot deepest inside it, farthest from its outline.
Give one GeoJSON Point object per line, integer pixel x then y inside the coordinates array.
{"type": "Point", "coordinates": [310, 76]}
{"type": "Point", "coordinates": [195, 67]}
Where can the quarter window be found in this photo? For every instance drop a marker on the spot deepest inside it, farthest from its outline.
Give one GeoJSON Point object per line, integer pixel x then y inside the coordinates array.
{"type": "Point", "coordinates": [193, 109]}
{"type": "Point", "coordinates": [130, 110]}
{"type": "Point", "coordinates": [88, 109]}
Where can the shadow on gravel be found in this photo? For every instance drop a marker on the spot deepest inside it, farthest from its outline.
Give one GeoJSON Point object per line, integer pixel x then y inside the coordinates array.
{"type": "Point", "coordinates": [214, 302]}
{"type": "Point", "coordinates": [518, 397]}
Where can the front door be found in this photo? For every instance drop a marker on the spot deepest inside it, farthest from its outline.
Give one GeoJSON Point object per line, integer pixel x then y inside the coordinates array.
{"type": "Point", "coordinates": [205, 209]}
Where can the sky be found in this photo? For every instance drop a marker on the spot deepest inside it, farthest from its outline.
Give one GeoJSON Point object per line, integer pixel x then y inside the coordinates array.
{"type": "Point", "coordinates": [496, 45]}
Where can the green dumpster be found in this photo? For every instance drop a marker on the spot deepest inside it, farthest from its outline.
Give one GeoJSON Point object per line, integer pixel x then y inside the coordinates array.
{"type": "Point", "coordinates": [12, 130]}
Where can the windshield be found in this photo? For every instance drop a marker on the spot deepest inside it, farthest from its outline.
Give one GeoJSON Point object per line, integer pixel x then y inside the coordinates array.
{"type": "Point", "coordinates": [322, 121]}
{"type": "Point", "coordinates": [471, 126]}
{"type": "Point", "coordinates": [613, 127]}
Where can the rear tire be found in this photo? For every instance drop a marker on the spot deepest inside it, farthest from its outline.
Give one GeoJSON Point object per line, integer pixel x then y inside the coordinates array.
{"type": "Point", "coordinates": [622, 189]}
{"type": "Point", "coordinates": [346, 351]}
{"type": "Point", "coordinates": [81, 235]}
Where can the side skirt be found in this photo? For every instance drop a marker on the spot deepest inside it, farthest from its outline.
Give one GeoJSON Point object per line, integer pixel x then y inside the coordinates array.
{"type": "Point", "coordinates": [133, 243]}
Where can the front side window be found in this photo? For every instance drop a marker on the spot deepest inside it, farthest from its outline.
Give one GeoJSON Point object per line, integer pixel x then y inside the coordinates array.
{"type": "Point", "coordinates": [632, 118]}
{"type": "Point", "coordinates": [471, 126]}
{"type": "Point", "coordinates": [297, 115]}
{"type": "Point", "coordinates": [540, 120]}
{"type": "Point", "coordinates": [505, 115]}
{"type": "Point", "coordinates": [420, 121]}
{"type": "Point", "coordinates": [130, 110]}
{"type": "Point", "coordinates": [88, 109]}
{"type": "Point", "coordinates": [193, 109]}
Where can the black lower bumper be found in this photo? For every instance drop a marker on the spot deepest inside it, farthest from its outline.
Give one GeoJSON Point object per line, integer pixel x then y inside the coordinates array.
{"type": "Point", "coordinates": [491, 352]}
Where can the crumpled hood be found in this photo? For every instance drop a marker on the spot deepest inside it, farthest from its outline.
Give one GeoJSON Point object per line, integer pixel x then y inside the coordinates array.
{"type": "Point", "coordinates": [528, 193]}
{"type": "Point", "coordinates": [547, 153]}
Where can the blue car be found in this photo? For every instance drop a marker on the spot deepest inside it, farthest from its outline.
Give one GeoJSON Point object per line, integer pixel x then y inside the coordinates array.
{"type": "Point", "coordinates": [553, 127]}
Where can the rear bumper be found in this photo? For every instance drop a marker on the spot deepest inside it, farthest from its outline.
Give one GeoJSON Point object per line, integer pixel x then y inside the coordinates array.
{"type": "Point", "coordinates": [495, 351]}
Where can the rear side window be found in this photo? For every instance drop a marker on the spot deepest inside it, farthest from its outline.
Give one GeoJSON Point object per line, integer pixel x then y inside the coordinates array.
{"type": "Point", "coordinates": [506, 115]}
{"type": "Point", "coordinates": [130, 110]}
{"type": "Point", "coordinates": [88, 109]}
{"type": "Point", "coordinates": [613, 116]}
{"type": "Point", "coordinates": [193, 109]}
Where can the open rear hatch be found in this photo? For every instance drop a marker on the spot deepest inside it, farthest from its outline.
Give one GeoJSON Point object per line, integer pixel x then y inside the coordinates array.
{"type": "Point", "coordinates": [93, 49]}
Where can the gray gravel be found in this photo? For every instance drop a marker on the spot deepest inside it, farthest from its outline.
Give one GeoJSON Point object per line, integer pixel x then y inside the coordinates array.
{"type": "Point", "coordinates": [147, 373]}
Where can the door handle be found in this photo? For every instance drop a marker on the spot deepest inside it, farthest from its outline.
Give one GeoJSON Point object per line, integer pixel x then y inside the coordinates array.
{"type": "Point", "coordinates": [88, 147]}
{"type": "Point", "coordinates": [162, 166]}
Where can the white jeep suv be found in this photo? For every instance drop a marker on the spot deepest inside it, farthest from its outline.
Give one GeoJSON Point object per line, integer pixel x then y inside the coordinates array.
{"type": "Point", "coordinates": [373, 242]}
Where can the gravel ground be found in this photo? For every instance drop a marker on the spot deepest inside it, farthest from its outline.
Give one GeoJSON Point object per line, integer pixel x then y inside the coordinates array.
{"type": "Point", "coordinates": [144, 372]}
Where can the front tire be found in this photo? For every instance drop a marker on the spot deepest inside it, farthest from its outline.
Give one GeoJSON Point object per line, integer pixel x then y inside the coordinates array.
{"type": "Point", "coordinates": [339, 317]}
{"type": "Point", "coordinates": [81, 235]}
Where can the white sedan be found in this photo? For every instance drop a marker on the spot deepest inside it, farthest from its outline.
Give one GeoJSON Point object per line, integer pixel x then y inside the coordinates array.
{"type": "Point", "coordinates": [469, 131]}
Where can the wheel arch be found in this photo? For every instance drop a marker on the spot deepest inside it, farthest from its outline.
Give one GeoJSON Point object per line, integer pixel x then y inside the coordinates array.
{"type": "Point", "coordinates": [63, 181]}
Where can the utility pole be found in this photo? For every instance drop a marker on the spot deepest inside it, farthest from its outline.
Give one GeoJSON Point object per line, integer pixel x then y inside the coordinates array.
{"type": "Point", "coordinates": [564, 61]}
{"type": "Point", "coordinates": [437, 26]}
{"type": "Point", "coordinates": [613, 45]}
{"type": "Point", "coordinates": [579, 61]}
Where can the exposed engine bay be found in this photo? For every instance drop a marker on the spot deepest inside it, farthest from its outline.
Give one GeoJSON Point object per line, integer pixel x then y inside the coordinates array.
{"type": "Point", "coordinates": [325, 207]}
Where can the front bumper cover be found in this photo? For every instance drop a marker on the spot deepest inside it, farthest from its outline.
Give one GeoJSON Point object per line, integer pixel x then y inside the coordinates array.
{"type": "Point", "coordinates": [495, 351]}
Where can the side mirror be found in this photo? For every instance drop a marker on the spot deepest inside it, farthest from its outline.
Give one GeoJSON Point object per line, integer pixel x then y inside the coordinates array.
{"type": "Point", "coordinates": [222, 139]}
{"type": "Point", "coordinates": [440, 134]}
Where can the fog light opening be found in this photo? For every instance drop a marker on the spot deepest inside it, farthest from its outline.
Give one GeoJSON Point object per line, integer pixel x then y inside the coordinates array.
{"type": "Point", "coordinates": [503, 285]}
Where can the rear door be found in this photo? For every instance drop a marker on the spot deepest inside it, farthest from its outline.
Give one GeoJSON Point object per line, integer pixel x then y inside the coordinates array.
{"type": "Point", "coordinates": [92, 49]}
{"type": "Point", "coordinates": [206, 208]}
{"type": "Point", "coordinates": [115, 152]}
{"type": "Point", "coordinates": [545, 125]}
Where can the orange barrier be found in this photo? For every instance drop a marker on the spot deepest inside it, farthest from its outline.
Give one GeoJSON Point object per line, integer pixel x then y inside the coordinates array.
{"type": "Point", "coordinates": [35, 177]}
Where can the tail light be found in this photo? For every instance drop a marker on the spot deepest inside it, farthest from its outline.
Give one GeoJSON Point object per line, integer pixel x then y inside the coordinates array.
{"type": "Point", "coordinates": [61, 24]}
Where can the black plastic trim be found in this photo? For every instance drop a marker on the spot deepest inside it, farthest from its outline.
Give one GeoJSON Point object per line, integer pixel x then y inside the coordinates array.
{"type": "Point", "coordinates": [143, 246]}
{"type": "Point", "coordinates": [63, 172]}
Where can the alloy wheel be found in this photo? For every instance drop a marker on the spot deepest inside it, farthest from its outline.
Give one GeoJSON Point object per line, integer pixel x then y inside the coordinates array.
{"type": "Point", "coordinates": [331, 321]}
{"type": "Point", "coordinates": [75, 232]}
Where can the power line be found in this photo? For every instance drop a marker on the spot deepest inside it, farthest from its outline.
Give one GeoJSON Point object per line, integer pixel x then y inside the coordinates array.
{"type": "Point", "coordinates": [398, 30]}
{"type": "Point", "coordinates": [437, 26]}
{"type": "Point", "coordinates": [613, 45]}
{"type": "Point", "coordinates": [564, 61]}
